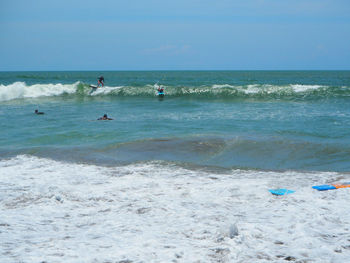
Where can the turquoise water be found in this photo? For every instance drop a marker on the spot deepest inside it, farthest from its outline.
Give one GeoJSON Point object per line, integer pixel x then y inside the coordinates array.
{"type": "Point", "coordinates": [265, 120]}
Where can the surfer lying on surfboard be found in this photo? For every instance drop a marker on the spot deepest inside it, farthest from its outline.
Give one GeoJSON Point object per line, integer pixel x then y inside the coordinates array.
{"type": "Point", "coordinates": [105, 117]}
{"type": "Point", "coordinates": [38, 112]}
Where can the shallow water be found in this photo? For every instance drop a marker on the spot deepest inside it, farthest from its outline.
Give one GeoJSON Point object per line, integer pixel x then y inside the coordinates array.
{"type": "Point", "coordinates": [156, 212]}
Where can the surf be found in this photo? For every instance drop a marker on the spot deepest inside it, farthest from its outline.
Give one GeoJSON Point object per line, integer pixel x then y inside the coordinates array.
{"type": "Point", "coordinates": [188, 214]}
{"type": "Point", "coordinates": [21, 90]}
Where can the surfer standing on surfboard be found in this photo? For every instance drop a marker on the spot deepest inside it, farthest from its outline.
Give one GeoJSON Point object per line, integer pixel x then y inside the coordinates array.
{"type": "Point", "coordinates": [100, 84]}
{"type": "Point", "coordinates": [100, 81]}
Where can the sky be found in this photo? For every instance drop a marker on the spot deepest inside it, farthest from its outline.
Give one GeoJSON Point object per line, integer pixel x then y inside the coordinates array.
{"type": "Point", "coordinates": [50, 35]}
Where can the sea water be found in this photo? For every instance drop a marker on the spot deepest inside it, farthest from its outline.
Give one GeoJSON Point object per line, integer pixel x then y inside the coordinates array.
{"type": "Point", "coordinates": [183, 178]}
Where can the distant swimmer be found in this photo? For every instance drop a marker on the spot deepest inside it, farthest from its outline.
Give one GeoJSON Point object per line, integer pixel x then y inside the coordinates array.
{"type": "Point", "coordinates": [38, 112]}
{"type": "Point", "coordinates": [104, 118]}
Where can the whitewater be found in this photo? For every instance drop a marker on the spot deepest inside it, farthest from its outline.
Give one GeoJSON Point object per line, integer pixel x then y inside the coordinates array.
{"type": "Point", "coordinates": [149, 212]}
{"type": "Point", "coordinates": [21, 90]}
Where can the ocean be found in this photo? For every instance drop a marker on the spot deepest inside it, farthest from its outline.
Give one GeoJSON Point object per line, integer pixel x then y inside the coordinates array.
{"type": "Point", "coordinates": [183, 178]}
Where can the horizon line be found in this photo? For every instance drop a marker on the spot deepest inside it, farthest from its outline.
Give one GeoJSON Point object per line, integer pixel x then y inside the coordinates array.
{"type": "Point", "coordinates": [145, 70]}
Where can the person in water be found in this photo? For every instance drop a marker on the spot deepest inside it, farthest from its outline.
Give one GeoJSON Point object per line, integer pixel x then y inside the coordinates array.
{"type": "Point", "coordinates": [160, 90]}
{"type": "Point", "coordinates": [38, 112]}
{"type": "Point", "coordinates": [100, 82]}
{"type": "Point", "coordinates": [105, 117]}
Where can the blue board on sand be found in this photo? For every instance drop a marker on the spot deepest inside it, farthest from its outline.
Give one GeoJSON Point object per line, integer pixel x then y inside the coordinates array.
{"type": "Point", "coordinates": [281, 191]}
{"type": "Point", "coordinates": [324, 187]}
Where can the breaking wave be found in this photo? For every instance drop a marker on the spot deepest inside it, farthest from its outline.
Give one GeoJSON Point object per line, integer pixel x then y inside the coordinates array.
{"type": "Point", "coordinates": [20, 90]}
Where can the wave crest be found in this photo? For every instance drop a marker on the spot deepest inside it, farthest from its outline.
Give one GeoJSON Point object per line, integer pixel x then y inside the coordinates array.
{"type": "Point", "coordinates": [20, 90]}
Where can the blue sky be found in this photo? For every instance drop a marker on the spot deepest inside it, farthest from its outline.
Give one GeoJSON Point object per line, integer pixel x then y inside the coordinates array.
{"type": "Point", "coordinates": [174, 35]}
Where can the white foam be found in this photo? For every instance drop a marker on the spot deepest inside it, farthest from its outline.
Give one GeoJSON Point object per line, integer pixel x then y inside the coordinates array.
{"type": "Point", "coordinates": [271, 89]}
{"type": "Point", "coordinates": [303, 88]}
{"type": "Point", "coordinates": [20, 90]}
{"type": "Point", "coordinates": [252, 89]}
{"type": "Point", "coordinates": [60, 212]}
{"type": "Point", "coordinates": [217, 86]}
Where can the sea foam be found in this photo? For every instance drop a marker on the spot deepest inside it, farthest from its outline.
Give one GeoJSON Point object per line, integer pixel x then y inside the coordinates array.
{"type": "Point", "coordinates": [19, 90]}
{"type": "Point", "coordinates": [157, 212]}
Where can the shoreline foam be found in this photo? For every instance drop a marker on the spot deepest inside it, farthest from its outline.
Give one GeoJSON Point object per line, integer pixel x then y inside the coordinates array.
{"type": "Point", "coordinates": [59, 212]}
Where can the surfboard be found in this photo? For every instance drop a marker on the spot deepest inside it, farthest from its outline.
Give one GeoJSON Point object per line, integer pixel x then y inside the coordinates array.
{"type": "Point", "coordinates": [324, 187]}
{"type": "Point", "coordinates": [346, 185]}
{"type": "Point", "coordinates": [281, 191]}
{"type": "Point", "coordinates": [93, 88]}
